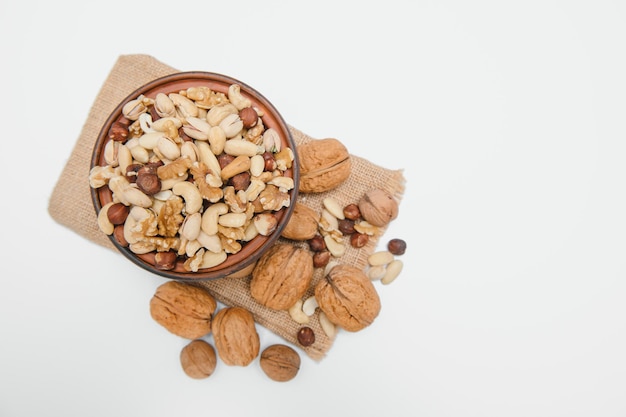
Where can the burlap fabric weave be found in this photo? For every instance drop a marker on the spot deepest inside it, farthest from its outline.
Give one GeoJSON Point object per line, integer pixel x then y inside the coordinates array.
{"type": "Point", "coordinates": [71, 206]}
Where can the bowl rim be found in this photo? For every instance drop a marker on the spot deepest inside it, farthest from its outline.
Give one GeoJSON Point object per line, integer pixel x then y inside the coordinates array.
{"type": "Point", "coordinates": [262, 243]}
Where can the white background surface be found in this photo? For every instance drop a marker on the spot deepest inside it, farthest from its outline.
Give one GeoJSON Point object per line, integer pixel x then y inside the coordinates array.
{"type": "Point", "coordinates": [508, 120]}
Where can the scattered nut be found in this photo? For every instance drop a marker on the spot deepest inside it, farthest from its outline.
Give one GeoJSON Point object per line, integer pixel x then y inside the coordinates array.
{"type": "Point", "coordinates": [296, 313]}
{"type": "Point", "coordinates": [358, 240]}
{"type": "Point", "coordinates": [281, 276]}
{"type": "Point", "coordinates": [380, 258]}
{"type": "Point", "coordinates": [280, 362]}
{"type": "Point", "coordinates": [392, 272]}
{"type": "Point", "coordinates": [317, 244]}
{"type": "Point", "coordinates": [236, 339]}
{"type": "Point", "coordinates": [324, 165]}
{"type": "Point", "coordinates": [321, 259]}
{"type": "Point", "coordinates": [378, 207]}
{"type": "Point", "coordinates": [327, 326]}
{"type": "Point", "coordinates": [198, 359]}
{"type": "Point", "coordinates": [397, 246]}
{"type": "Point", "coordinates": [303, 223]}
{"type": "Point", "coordinates": [183, 309]}
{"type": "Point", "coordinates": [306, 336]}
{"type": "Point", "coordinates": [348, 297]}
{"type": "Point", "coordinates": [376, 272]}
{"type": "Point", "coordinates": [309, 306]}
{"type": "Point", "coordinates": [352, 212]}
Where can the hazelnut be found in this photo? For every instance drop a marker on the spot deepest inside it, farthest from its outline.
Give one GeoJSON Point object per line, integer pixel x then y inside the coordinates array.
{"type": "Point", "coordinates": [118, 234]}
{"type": "Point", "coordinates": [280, 362]}
{"type": "Point", "coordinates": [165, 261]}
{"type": "Point", "coordinates": [118, 213]}
{"type": "Point", "coordinates": [270, 162]}
{"type": "Point", "coordinates": [306, 336]}
{"type": "Point", "coordinates": [198, 359]}
{"type": "Point", "coordinates": [131, 172]}
{"type": "Point", "coordinates": [224, 159]}
{"type": "Point", "coordinates": [346, 226]}
{"type": "Point", "coordinates": [321, 259]}
{"type": "Point", "coordinates": [249, 117]}
{"type": "Point", "coordinates": [352, 212]}
{"type": "Point", "coordinates": [358, 240]}
{"type": "Point", "coordinates": [396, 246]}
{"type": "Point", "coordinates": [317, 243]}
{"type": "Point", "coordinates": [240, 181]}
{"type": "Point", "coordinates": [149, 183]}
{"type": "Point", "coordinates": [118, 132]}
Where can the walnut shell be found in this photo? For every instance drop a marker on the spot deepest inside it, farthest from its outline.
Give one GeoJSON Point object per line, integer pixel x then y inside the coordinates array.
{"type": "Point", "coordinates": [324, 164]}
{"type": "Point", "coordinates": [281, 276]}
{"type": "Point", "coordinates": [378, 207]}
{"type": "Point", "coordinates": [236, 339]}
{"type": "Point", "coordinates": [348, 298]}
{"type": "Point", "coordinates": [198, 359]}
{"type": "Point", "coordinates": [303, 223]}
{"type": "Point", "coordinates": [280, 362]}
{"type": "Point", "coordinates": [183, 309]}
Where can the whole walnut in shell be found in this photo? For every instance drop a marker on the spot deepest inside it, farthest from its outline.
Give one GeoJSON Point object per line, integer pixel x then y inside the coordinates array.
{"type": "Point", "coordinates": [303, 223]}
{"type": "Point", "coordinates": [183, 309]}
{"type": "Point", "coordinates": [198, 359]}
{"type": "Point", "coordinates": [280, 362]}
{"type": "Point", "coordinates": [348, 298]}
{"type": "Point", "coordinates": [236, 339]}
{"type": "Point", "coordinates": [281, 276]}
{"type": "Point", "coordinates": [378, 207]}
{"type": "Point", "coordinates": [324, 164]}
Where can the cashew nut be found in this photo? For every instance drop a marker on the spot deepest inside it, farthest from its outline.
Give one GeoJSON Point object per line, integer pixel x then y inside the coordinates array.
{"type": "Point", "coordinates": [190, 193]}
{"type": "Point", "coordinates": [103, 219]}
{"type": "Point", "coordinates": [210, 217]}
{"type": "Point", "coordinates": [296, 313]}
{"type": "Point", "coordinates": [235, 97]}
{"type": "Point", "coordinates": [327, 326]}
{"type": "Point", "coordinates": [309, 305]}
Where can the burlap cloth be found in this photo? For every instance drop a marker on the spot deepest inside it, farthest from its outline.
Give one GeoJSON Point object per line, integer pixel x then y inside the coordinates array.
{"type": "Point", "coordinates": [70, 203]}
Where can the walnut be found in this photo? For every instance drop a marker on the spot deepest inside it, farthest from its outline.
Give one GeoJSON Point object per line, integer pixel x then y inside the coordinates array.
{"type": "Point", "coordinates": [280, 362]}
{"type": "Point", "coordinates": [302, 224]}
{"type": "Point", "coordinates": [378, 207]}
{"type": "Point", "coordinates": [236, 339]}
{"type": "Point", "coordinates": [324, 165]}
{"type": "Point", "coordinates": [198, 359]}
{"type": "Point", "coordinates": [348, 298]}
{"type": "Point", "coordinates": [174, 169]}
{"type": "Point", "coordinates": [170, 216]}
{"type": "Point", "coordinates": [199, 172]}
{"type": "Point", "coordinates": [281, 276]}
{"type": "Point", "coordinates": [271, 198]}
{"type": "Point", "coordinates": [183, 309]}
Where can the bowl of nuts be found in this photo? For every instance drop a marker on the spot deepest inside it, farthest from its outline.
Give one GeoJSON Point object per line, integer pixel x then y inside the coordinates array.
{"type": "Point", "coordinates": [194, 175]}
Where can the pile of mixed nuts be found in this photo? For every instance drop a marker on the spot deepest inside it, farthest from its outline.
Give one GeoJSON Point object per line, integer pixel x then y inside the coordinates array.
{"type": "Point", "coordinates": [195, 176]}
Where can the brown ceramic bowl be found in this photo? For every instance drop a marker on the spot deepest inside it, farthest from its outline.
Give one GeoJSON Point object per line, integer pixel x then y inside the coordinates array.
{"type": "Point", "coordinates": [244, 259]}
